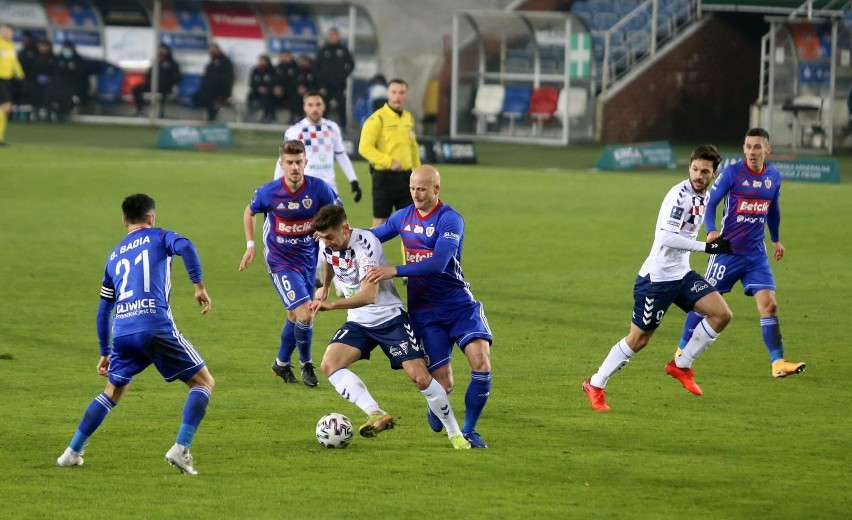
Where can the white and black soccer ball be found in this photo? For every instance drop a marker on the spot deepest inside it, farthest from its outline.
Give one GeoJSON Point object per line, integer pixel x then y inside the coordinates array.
{"type": "Point", "coordinates": [334, 431]}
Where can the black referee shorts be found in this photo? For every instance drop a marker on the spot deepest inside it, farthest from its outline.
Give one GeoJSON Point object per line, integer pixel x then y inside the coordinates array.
{"type": "Point", "coordinates": [390, 191]}
{"type": "Point", "coordinates": [5, 91]}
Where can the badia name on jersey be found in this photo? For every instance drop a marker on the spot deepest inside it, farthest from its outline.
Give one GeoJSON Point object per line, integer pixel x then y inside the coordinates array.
{"type": "Point", "coordinates": [753, 206]}
{"type": "Point", "coordinates": [412, 256]}
{"type": "Point", "coordinates": [293, 227]}
{"type": "Point", "coordinates": [136, 243]}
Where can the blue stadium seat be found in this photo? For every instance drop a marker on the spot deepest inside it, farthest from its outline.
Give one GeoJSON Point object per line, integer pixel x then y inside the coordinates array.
{"type": "Point", "coordinates": [109, 85]}
{"type": "Point", "coordinates": [516, 104]}
{"type": "Point", "coordinates": [188, 86]}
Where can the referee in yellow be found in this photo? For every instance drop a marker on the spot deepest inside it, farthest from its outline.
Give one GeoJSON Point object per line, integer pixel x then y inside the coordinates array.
{"type": "Point", "coordinates": [388, 142]}
{"type": "Point", "coordinates": [10, 68]}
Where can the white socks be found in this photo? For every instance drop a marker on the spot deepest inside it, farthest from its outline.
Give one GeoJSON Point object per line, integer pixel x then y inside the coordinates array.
{"type": "Point", "coordinates": [701, 339]}
{"type": "Point", "coordinates": [354, 390]}
{"type": "Point", "coordinates": [439, 403]}
{"type": "Point", "coordinates": [618, 356]}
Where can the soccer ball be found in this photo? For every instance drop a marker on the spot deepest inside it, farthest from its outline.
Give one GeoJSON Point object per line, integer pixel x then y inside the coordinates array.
{"type": "Point", "coordinates": [334, 431]}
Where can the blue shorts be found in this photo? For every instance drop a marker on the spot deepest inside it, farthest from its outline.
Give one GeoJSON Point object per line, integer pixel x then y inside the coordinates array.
{"type": "Point", "coordinates": [172, 354]}
{"type": "Point", "coordinates": [723, 271]}
{"type": "Point", "coordinates": [651, 300]}
{"type": "Point", "coordinates": [395, 336]}
{"type": "Point", "coordinates": [441, 328]}
{"type": "Point", "coordinates": [293, 287]}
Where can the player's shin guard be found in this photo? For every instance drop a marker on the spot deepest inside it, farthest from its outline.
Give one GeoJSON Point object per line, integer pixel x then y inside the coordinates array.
{"type": "Point", "coordinates": [304, 337]}
{"type": "Point", "coordinates": [439, 403]}
{"type": "Point", "coordinates": [193, 412]}
{"type": "Point", "coordinates": [353, 389]}
{"type": "Point", "coordinates": [92, 419]}
{"type": "Point", "coordinates": [692, 321]}
{"type": "Point", "coordinates": [771, 331]}
{"type": "Point", "coordinates": [288, 342]}
{"type": "Point", "coordinates": [475, 398]}
{"type": "Point", "coordinates": [702, 337]}
{"type": "Point", "coordinates": [619, 355]}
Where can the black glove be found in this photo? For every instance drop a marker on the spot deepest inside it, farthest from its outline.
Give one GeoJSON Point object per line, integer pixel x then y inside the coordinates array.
{"type": "Point", "coordinates": [356, 189]}
{"type": "Point", "coordinates": [718, 246]}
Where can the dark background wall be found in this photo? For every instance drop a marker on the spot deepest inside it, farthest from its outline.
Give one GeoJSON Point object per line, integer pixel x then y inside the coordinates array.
{"type": "Point", "coordinates": [702, 90]}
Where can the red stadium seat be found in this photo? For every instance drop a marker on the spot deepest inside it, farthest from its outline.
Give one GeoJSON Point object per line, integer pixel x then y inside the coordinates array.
{"type": "Point", "coordinates": [543, 105]}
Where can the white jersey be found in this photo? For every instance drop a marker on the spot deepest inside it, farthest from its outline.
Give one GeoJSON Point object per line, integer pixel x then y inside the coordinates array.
{"type": "Point", "coordinates": [323, 143]}
{"type": "Point", "coordinates": [350, 267]}
{"type": "Point", "coordinates": [682, 214]}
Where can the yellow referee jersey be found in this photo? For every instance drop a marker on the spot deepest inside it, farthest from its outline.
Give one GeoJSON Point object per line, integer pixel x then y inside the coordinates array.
{"type": "Point", "coordinates": [388, 136]}
{"type": "Point", "coordinates": [10, 67]}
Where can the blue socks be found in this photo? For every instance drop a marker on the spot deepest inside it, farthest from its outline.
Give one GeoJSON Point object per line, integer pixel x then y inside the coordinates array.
{"type": "Point", "coordinates": [193, 411]}
{"type": "Point", "coordinates": [475, 399]}
{"type": "Point", "coordinates": [692, 321]}
{"type": "Point", "coordinates": [288, 342]}
{"type": "Point", "coordinates": [771, 332]}
{"type": "Point", "coordinates": [92, 419]}
{"type": "Point", "coordinates": [304, 336]}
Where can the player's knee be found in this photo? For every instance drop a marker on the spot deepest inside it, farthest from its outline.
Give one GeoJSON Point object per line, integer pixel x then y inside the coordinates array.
{"type": "Point", "coordinates": [327, 367]}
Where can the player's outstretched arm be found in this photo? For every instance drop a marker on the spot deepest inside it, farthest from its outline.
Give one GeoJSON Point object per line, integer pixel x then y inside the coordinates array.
{"type": "Point", "coordinates": [366, 295]}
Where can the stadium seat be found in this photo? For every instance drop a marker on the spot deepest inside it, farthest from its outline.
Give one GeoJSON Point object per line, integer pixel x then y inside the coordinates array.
{"type": "Point", "coordinates": [543, 104]}
{"type": "Point", "coordinates": [575, 99]}
{"type": "Point", "coordinates": [516, 103]}
{"type": "Point", "coordinates": [487, 105]}
{"type": "Point", "coordinates": [109, 86]}
{"type": "Point", "coordinates": [187, 86]}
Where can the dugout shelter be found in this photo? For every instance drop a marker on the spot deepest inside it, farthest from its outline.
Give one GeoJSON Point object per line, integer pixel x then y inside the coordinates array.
{"type": "Point", "coordinates": [521, 76]}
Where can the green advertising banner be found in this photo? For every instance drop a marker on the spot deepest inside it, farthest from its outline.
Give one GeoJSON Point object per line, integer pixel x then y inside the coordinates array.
{"type": "Point", "coordinates": [653, 155]}
{"type": "Point", "coordinates": [795, 168]}
{"type": "Point", "coordinates": [195, 137]}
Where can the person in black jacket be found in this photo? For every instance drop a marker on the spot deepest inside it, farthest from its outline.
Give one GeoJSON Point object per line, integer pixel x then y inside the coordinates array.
{"type": "Point", "coordinates": [70, 85]}
{"type": "Point", "coordinates": [216, 83]}
{"type": "Point", "coordinates": [168, 76]}
{"type": "Point", "coordinates": [44, 68]}
{"type": "Point", "coordinates": [333, 66]}
{"type": "Point", "coordinates": [287, 72]}
{"type": "Point", "coordinates": [22, 90]}
{"type": "Point", "coordinates": [262, 82]}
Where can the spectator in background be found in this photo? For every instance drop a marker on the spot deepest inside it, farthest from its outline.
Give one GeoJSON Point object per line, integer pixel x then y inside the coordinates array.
{"type": "Point", "coordinates": [262, 82]}
{"type": "Point", "coordinates": [44, 67]}
{"type": "Point", "coordinates": [70, 86]}
{"type": "Point", "coordinates": [26, 56]}
{"type": "Point", "coordinates": [287, 74]}
{"type": "Point", "coordinates": [10, 69]}
{"type": "Point", "coordinates": [216, 83]}
{"type": "Point", "coordinates": [305, 81]}
{"type": "Point", "coordinates": [168, 76]}
{"type": "Point", "coordinates": [333, 66]}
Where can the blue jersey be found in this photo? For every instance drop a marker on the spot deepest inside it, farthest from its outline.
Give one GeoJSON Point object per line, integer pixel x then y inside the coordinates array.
{"type": "Point", "coordinates": [437, 236]}
{"type": "Point", "coordinates": [751, 203]}
{"type": "Point", "coordinates": [287, 228]}
{"type": "Point", "coordinates": [137, 280]}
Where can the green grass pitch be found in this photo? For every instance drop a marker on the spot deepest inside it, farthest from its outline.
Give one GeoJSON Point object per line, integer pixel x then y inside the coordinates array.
{"type": "Point", "coordinates": [552, 249]}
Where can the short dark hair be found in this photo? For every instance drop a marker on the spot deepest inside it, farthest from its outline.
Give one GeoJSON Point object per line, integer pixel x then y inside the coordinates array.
{"type": "Point", "coordinates": [291, 147]}
{"type": "Point", "coordinates": [398, 80]}
{"type": "Point", "coordinates": [136, 208]}
{"type": "Point", "coordinates": [314, 93]}
{"type": "Point", "coordinates": [707, 152]}
{"type": "Point", "coordinates": [328, 217]}
{"type": "Point", "coordinates": [758, 132]}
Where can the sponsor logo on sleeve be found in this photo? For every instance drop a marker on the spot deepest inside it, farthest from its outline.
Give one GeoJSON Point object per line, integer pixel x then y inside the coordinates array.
{"type": "Point", "coordinates": [449, 235]}
{"type": "Point", "coordinates": [677, 213]}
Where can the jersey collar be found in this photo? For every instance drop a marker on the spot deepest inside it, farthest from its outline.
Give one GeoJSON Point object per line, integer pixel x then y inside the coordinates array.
{"type": "Point", "coordinates": [429, 215]}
